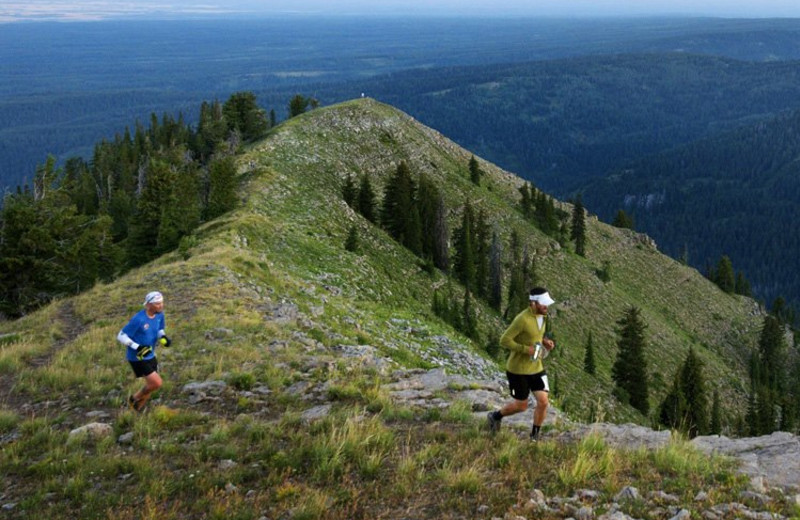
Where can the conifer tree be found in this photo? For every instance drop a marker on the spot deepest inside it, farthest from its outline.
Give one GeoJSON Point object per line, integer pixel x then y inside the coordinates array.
{"type": "Point", "coordinates": [352, 243]}
{"type": "Point", "coordinates": [427, 200]}
{"type": "Point", "coordinates": [742, 285]}
{"type": "Point", "coordinates": [588, 358]}
{"type": "Point", "coordinates": [298, 105]}
{"type": "Point", "coordinates": [481, 243]}
{"type": "Point", "coordinates": [464, 261]}
{"type": "Point", "coordinates": [725, 278]}
{"type": "Point", "coordinates": [495, 274]}
{"type": "Point", "coordinates": [578, 230]}
{"type": "Point", "coordinates": [221, 186]}
{"type": "Point", "coordinates": [242, 113]}
{"type": "Point", "coordinates": [693, 388]}
{"type": "Point", "coordinates": [350, 192]}
{"type": "Point", "coordinates": [672, 411]}
{"type": "Point", "coordinates": [398, 202]}
{"type": "Point", "coordinates": [772, 354]}
{"type": "Point", "coordinates": [527, 201]}
{"type": "Point", "coordinates": [475, 172]}
{"type": "Point", "coordinates": [622, 220]}
{"type": "Point", "coordinates": [441, 248]}
{"type": "Point", "coordinates": [366, 199]}
{"type": "Point", "coordinates": [469, 320]}
{"type": "Point", "coordinates": [630, 368]}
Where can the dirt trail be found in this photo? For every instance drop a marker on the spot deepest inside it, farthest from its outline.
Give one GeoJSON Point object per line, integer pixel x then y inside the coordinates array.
{"type": "Point", "coordinates": [71, 329]}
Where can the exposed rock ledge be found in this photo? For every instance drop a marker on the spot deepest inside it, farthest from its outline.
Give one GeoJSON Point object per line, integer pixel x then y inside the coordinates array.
{"type": "Point", "coordinates": [770, 461]}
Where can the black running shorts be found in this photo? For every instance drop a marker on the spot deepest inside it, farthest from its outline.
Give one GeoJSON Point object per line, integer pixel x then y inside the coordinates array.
{"type": "Point", "coordinates": [521, 385]}
{"type": "Point", "coordinates": [145, 367]}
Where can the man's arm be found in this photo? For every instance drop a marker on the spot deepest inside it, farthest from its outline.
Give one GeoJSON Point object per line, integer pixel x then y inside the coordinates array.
{"type": "Point", "coordinates": [507, 339]}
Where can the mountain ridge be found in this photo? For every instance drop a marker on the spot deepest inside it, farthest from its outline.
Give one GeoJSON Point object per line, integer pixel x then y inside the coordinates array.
{"type": "Point", "coordinates": [270, 314]}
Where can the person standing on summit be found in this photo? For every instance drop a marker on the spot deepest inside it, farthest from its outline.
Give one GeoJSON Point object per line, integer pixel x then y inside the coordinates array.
{"type": "Point", "coordinates": [140, 336]}
{"type": "Point", "coordinates": [526, 341]}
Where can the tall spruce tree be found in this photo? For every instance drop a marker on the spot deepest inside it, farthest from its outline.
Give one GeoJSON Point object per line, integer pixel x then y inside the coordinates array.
{"type": "Point", "coordinates": [366, 199]}
{"type": "Point", "coordinates": [475, 172]}
{"type": "Point", "coordinates": [622, 220]}
{"type": "Point", "coordinates": [496, 273]}
{"type": "Point", "coordinates": [724, 275]}
{"type": "Point", "coordinates": [441, 235]}
{"type": "Point", "coordinates": [463, 237]}
{"type": "Point", "coordinates": [398, 206]}
{"type": "Point", "coordinates": [578, 230]}
{"type": "Point", "coordinates": [630, 368]}
{"type": "Point", "coordinates": [693, 387]}
{"type": "Point", "coordinates": [588, 359]}
{"type": "Point", "coordinates": [222, 186]}
{"type": "Point", "coordinates": [482, 245]}
{"type": "Point", "coordinates": [350, 192]}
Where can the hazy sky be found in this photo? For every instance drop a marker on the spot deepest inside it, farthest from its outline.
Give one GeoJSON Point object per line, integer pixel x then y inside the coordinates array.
{"type": "Point", "coordinates": [13, 10]}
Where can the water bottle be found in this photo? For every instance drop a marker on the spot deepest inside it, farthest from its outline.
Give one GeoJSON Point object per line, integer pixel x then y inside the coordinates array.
{"type": "Point", "coordinates": [537, 350]}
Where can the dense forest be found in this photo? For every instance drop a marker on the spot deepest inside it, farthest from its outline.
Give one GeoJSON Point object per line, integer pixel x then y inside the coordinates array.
{"type": "Point", "coordinates": [141, 195]}
{"type": "Point", "coordinates": [736, 194]}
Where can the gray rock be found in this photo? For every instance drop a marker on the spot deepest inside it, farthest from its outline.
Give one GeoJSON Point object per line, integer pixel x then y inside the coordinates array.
{"type": "Point", "coordinates": [683, 514]}
{"type": "Point", "coordinates": [206, 387]}
{"type": "Point", "coordinates": [92, 431]}
{"type": "Point", "coordinates": [774, 458]}
{"type": "Point", "coordinates": [226, 464]}
{"type": "Point", "coordinates": [627, 493]}
{"type": "Point", "coordinates": [125, 438]}
{"type": "Point", "coordinates": [316, 413]}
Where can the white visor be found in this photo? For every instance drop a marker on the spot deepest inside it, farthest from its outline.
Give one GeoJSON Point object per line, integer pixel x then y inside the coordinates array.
{"type": "Point", "coordinates": [542, 299]}
{"type": "Point", "coordinates": [153, 297]}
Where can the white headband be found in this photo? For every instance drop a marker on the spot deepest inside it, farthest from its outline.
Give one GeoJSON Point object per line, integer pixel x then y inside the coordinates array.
{"type": "Point", "coordinates": [153, 297]}
{"type": "Point", "coordinates": [543, 299]}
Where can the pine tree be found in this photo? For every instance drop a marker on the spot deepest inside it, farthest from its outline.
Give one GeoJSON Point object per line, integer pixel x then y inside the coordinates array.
{"type": "Point", "coordinates": [481, 243]}
{"type": "Point", "coordinates": [222, 187]}
{"type": "Point", "coordinates": [352, 243]}
{"type": "Point", "coordinates": [464, 261]}
{"type": "Point", "coordinates": [772, 354]}
{"type": "Point", "coordinates": [469, 320]}
{"type": "Point", "coordinates": [350, 192]}
{"type": "Point", "coordinates": [693, 388]}
{"type": "Point", "coordinates": [242, 113]}
{"type": "Point", "coordinates": [578, 233]}
{"type": "Point", "coordinates": [672, 412]}
{"type": "Point", "coordinates": [622, 220]}
{"type": "Point", "coordinates": [588, 359]}
{"type": "Point", "coordinates": [630, 369]}
{"type": "Point", "coordinates": [725, 278]}
{"type": "Point", "coordinates": [527, 202]}
{"type": "Point", "coordinates": [298, 105]}
{"type": "Point", "coordinates": [495, 274]}
{"type": "Point", "coordinates": [398, 202]}
{"type": "Point", "coordinates": [475, 172]}
{"type": "Point", "coordinates": [366, 199]}
{"type": "Point", "coordinates": [742, 285]}
{"type": "Point", "coordinates": [441, 235]}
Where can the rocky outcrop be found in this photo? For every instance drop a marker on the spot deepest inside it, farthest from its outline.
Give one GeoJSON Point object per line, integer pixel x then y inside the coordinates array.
{"type": "Point", "coordinates": [773, 460]}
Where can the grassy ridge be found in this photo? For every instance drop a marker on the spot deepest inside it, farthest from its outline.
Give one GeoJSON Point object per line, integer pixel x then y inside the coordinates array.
{"type": "Point", "coordinates": [262, 300]}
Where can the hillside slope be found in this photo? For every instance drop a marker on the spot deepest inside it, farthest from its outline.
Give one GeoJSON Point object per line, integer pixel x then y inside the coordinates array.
{"type": "Point", "coordinates": [268, 311]}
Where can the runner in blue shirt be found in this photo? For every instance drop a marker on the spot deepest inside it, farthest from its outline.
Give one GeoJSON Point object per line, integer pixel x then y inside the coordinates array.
{"type": "Point", "coordinates": [141, 335]}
